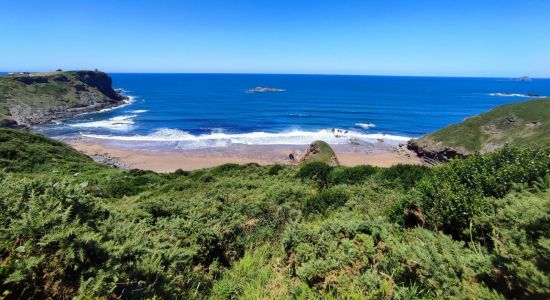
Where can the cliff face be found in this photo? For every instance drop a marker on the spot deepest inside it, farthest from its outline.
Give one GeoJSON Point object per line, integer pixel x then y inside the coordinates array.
{"type": "Point", "coordinates": [521, 123]}
{"type": "Point", "coordinates": [100, 81]}
{"type": "Point", "coordinates": [35, 98]}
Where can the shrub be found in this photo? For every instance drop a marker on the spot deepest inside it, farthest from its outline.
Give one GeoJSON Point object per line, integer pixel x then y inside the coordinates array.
{"type": "Point", "coordinates": [226, 168]}
{"type": "Point", "coordinates": [351, 175]}
{"type": "Point", "coordinates": [274, 169]}
{"type": "Point", "coordinates": [231, 168]}
{"type": "Point", "coordinates": [456, 192]}
{"type": "Point", "coordinates": [325, 199]}
{"type": "Point", "coordinates": [317, 171]}
{"type": "Point", "coordinates": [401, 175]}
{"type": "Point", "coordinates": [346, 254]}
{"type": "Point", "coordinates": [519, 229]}
{"type": "Point", "coordinates": [438, 264]}
{"type": "Point", "coordinates": [128, 183]}
{"type": "Point", "coordinates": [181, 172]}
{"type": "Point", "coordinates": [48, 238]}
{"type": "Point", "coordinates": [247, 279]}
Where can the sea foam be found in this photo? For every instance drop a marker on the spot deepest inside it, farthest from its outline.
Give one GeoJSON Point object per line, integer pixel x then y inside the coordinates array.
{"type": "Point", "coordinates": [126, 102]}
{"type": "Point", "coordinates": [138, 111]}
{"type": "Point", "coordinates": [218, 139]}
{"type": "Point", "coordinates": [365, 125]}
{"type": "Point", "coordinates": [120, 123]}
{"type": "Point", "coordinates": [516, 95]}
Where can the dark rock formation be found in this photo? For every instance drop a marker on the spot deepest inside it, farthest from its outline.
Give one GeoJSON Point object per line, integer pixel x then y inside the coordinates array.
{"type": "Point", "coordinates": [434, 156]}
{"type": "Point", "coordinates": [31, 80]}
{"type": "Point", "coordinates": [7, 123]}
{"type": "Point", "coordinates": [414, 217]}
{"type": "Point", "coordinates": [99, 80]}
{"type": "Point", "coordinates": [108, 160]}
{"type": "Point", "coordinates": [524, 78]}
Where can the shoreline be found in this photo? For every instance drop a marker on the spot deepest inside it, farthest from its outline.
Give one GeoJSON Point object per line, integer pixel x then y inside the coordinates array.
{"type": "Point", "coordinates": [188, 160]}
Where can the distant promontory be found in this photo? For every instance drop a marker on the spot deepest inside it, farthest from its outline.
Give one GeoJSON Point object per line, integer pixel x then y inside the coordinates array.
{"type": "Point", "coordinates": [28, 99]}
{"type": "Point", "coordinates": [521, 123]}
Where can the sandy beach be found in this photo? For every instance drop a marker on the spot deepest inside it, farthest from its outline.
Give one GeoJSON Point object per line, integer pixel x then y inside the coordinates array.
{"type": "Point", "coordinates": [171, 160]}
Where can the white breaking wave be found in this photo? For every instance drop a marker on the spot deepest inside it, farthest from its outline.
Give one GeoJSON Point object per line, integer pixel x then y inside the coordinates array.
{"type": "Point", "coordinates": [219, 139]}
{"type": "Point", "coordinates": [121, 123]}
{"type": "Point", "coordinates": [138, 111]}
{"type": "Point", "coordinates": [516, 95]}
{"type": "Point", "coordinates": [130, 100]}
{"type": "Point", "coordinates": [365, 125]}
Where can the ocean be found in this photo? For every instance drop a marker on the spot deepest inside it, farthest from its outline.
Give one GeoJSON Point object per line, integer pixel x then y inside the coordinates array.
{"type": "Point", "coordinates": [192, 111]}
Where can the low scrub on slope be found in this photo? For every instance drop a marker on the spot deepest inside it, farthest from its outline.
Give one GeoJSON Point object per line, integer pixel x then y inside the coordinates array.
{"type": "Point", "coordinates": [476, 228]}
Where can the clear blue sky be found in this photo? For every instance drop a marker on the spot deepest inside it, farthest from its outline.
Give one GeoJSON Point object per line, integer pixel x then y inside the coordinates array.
{"type": "Point", "coordinates": [439, 37]}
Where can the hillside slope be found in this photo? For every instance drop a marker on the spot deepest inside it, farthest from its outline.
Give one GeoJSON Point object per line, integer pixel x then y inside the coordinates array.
{"type": "Point", "coordinates": [29, 152]}
{"type": "Point", "coordinates": [475, 228]}
{"type": "Point", "coordinates": [521, 123]}
{"type": "Point", "coordinates": [34, 98]}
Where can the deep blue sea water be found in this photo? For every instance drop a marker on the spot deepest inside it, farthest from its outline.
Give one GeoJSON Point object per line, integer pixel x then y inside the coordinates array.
{"type": "Point", "coordinates": [203, 110]}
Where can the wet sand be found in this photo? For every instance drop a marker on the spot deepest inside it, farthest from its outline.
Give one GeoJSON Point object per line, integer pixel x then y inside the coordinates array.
{"type": "Point", "coordinates": [171, 160]}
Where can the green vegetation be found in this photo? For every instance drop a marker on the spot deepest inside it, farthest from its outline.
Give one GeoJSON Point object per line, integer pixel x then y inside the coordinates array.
{"type": "Point", "coordinates": [521, 123]}
{"type": "Point", "coordinates": [40, 97]}
{"type": "Point", "coordinates": [24, 152]}
{"type": "Point", "coordinates": [320, 151]}
{"type": "Point", "coordinates": [477, 228]}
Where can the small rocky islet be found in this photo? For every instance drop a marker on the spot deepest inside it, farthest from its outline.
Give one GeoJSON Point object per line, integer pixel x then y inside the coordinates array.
{"type": "Point", "coordinates": [260, 89]}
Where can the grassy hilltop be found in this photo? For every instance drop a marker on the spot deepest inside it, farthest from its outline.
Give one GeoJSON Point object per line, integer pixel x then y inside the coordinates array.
{"type": "Point", "coordinates": [521, 123]}
{"type": "Point", "coordinates": [476, 228]}
{"type": "Point", "coordinates": [33, 98]}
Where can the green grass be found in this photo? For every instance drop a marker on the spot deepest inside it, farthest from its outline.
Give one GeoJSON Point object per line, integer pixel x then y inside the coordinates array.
{"type": "Point", "coordinates": [522, 123]}
{"type": "Point", "coordinates": [39, 97]}
{"type": "Point", "coordinates": [249, 278]}
{"type": "Point", "coordinates": [70, 228]}
{"type": "Point", "coordinates": [325, 153]}
{"type": "Point", "coordinates": [24, 152]}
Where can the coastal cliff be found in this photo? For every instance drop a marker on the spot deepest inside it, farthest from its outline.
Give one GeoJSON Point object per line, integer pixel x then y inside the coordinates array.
{"type": "Point", "coordinates": [515, 124]}
{"type": "Point", "coordinates": [28, 99]}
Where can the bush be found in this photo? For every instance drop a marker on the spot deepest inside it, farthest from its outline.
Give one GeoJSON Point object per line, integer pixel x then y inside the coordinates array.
{"type": "Point", "coordinates": [128, 183]}
{"type": "Point", "coordinates": [181, 172]}
{"type": "Point", "coordinates": [328, 198]}
{"type": "Point", "coordinates": [226, 168]}
{"type": "Point", "coordinates": [247, 279]}
{"type": "Point", "coordinates": [348, 254]}
{"type": "Point", "coordinates": [49, 238]}
{"type": "Point", "coordinates": [403, 176]}
{"type": "Point", "coordinates": [351, 175]}
{"type": "Point", "coordinates": [456, 192]}
{"type": "Point", "coordinates": [231, 168]}
{"type": "Point", "coordinates": [275, 169]}
{"type": "Point", "coordinates": [519, 229]}
{"type": "Point", "coordinates": [317, 171]}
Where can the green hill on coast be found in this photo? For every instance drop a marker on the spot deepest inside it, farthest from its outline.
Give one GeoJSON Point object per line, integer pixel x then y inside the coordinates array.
{"type": "Point", "coordinates": [33, 98]}
{"type": "Point", "coordinates": [520, 123]}
{"type": "Point", "coordinates": [474, 228]}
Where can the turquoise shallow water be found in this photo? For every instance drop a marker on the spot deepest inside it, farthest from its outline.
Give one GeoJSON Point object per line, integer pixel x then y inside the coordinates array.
{"type": "Point", "coordinates": [206, 110]}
